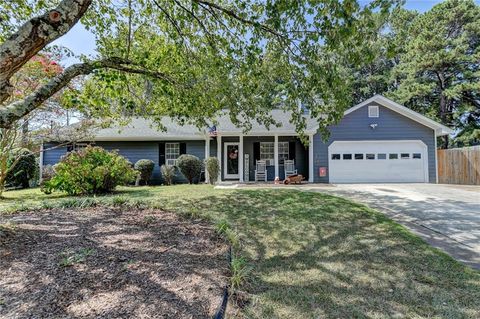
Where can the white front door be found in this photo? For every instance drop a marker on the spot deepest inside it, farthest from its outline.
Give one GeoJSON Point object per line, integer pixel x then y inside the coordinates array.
{"type": "Point", "coordinates": [378, 162]}
{"type": "Point", "coordinates": [230, 161]}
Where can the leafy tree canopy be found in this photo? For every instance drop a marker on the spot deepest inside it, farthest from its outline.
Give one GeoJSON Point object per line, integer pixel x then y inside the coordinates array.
{"type": "Point", "coordinates": [190, 59]}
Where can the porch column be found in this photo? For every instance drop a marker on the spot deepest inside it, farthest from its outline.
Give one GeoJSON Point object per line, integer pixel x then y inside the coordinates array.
{"type": "Point", "coordinates": [241, 159]}
{"type": "Point", "coordinates": [310, 159]}
{"type": "Point", "coordinates": [275, 156]}
{"type": "Point", "coordinates": [207, 155]}
{"type": "Point", "coordinates": [219, 156]}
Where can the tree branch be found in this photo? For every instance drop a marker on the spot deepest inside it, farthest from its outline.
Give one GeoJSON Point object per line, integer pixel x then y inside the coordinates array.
{"type": "Point", "coordinates": [234, 15]}
{"type": "Point", "coordinates": [18, 109]}
{"type": "Point", "coordinates": [33, 36]}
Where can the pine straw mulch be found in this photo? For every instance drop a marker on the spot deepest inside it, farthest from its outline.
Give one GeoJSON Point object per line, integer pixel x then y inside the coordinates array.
{"type": "Point", "coordinates": [109, 263]}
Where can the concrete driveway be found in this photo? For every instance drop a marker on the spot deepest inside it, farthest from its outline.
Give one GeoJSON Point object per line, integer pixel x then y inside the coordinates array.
{"type": "Point", "coordinates": [446, 216]}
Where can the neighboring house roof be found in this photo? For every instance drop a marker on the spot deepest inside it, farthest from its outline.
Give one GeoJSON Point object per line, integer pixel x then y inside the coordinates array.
{"type": "Point", "coordinates": [440, 129]}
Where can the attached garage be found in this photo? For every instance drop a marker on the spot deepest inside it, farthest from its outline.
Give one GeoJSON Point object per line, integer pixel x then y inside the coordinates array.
{"type": "Point", "coordinates": [386, 161]}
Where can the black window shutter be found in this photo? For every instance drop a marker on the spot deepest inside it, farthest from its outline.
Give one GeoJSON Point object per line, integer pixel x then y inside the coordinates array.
{"type": "Point", "coordinates": [256, 151]}
{"type": "Point", "coordinates": [161, 154]}
{"type": "Point", "coordinates": [183, 148]}
{"type": "Point", "coordinates": [291, 150]}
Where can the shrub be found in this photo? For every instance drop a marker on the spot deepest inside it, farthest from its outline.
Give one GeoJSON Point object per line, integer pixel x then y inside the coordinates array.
{"type": "Point", "coordinates": [24, 170]}
{"type": "Point", "coordinates": [145, 167]}
{"type": "Point", "coordinates": [91, 170]}
{"type": "Point", "coordinates": [168, 173]}
{"type": "Point", "coordinates": [190, 166]}
{"type": "Point", "coordinates": [47, 174]}
{"type": "Point", "coordinates": [213, 169]}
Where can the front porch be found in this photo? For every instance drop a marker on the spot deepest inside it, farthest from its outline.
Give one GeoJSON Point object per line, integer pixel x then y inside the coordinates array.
{"type": "Point", "coordinates": [238, 154]}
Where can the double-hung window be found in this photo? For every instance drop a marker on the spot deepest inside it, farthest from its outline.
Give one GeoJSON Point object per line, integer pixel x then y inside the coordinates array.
{"type": "Point", "coordinates": [267, 152]}
{"type": "Point", "coordinates": [75, 147]}
{"type": "Point", "coordinates": [283, 152]}
{"type": "Point", "coordinates": [172, 152]}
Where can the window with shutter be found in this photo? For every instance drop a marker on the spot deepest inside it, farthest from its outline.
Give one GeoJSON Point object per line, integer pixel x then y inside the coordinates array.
{"type": "Point", "coordinates": [172, 152]}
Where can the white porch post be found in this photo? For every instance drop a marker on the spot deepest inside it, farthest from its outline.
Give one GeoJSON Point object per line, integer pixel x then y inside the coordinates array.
{"type": "Point", "coordinates": [219, 156]}
{"type": "Point", "coordinates": [241, 160]}
{"type": "Point", "coordinates": [310, 158]}
{"type": "Point", "coordinates": [207, 155]}
{"type": "Point", "coordinates": [275, 155]}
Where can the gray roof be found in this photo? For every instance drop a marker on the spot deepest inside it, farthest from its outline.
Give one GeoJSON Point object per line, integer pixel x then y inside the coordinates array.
{"type": "Point", "coordinates": [225, 125]}
{"type": "Point", "coordinates": [140, 129]}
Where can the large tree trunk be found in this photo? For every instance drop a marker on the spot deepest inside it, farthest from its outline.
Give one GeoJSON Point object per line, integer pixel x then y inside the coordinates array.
{"type": "Point", "coordinates": [443, 107]}
{"type": "Point", "coordinates": [33, 36]}
{"type": "Point", "coordinates": [444, 116]}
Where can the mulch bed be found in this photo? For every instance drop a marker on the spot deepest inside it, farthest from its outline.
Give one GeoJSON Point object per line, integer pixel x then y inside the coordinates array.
{"type": "Point", "coordinates": [110, 263]}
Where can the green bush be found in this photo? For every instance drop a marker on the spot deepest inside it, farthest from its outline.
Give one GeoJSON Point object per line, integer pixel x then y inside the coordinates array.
{"type": "Point", "coordinates": [168, 173]}
{"type": "Point", "coordinates": [91, 170]}
{"type": "Point", "coordinates": [24, 170]}
{"type": "Point", "coordinates": [190, 166]}
{"type": "Point", "coordinates": [47, 174]}
{"type": "Point", "coordinates": [145, 167]}
{"type": "Point", "coordinates": [213, 169]}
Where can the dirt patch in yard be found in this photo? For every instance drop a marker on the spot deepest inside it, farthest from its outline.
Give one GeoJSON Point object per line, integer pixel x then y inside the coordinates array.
{"type": "Point", "coordinates": [110, 263]}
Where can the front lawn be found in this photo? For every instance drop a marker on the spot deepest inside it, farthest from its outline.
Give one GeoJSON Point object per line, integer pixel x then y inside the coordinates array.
{"type": "Point", "coordinates": [315, 255]}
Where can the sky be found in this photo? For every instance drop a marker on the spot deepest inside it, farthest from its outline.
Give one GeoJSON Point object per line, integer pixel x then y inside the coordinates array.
{"type": "Point", "coordinates": [81, 41]}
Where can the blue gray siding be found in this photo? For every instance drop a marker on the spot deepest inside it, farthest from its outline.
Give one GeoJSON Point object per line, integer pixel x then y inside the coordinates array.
{"type": "Point", "coordinates": [391, 126]}
{"type": "Point", "coordinates": [133, 151]}
{"type": "Point", "coordinates": [53, 156]}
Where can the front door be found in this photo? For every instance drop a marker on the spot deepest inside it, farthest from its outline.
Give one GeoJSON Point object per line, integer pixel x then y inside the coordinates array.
{"type": "Point", "coordinates": [230, 161]}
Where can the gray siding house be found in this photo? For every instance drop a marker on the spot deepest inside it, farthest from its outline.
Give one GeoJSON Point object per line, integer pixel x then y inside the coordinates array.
{"type": "Point", "coordinates": [377, 141]}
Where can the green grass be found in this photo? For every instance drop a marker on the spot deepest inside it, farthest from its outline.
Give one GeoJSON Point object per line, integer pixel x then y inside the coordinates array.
{"type": "Point", "coordinates": [310, 255]}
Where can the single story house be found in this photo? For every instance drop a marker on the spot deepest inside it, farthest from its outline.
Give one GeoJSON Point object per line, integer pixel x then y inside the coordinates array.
{"type": "Point", "coordinates": [377, 141]}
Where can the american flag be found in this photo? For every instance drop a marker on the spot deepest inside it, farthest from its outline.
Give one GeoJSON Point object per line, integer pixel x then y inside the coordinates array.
{"type": "Point", "coordinates": [212, 131]}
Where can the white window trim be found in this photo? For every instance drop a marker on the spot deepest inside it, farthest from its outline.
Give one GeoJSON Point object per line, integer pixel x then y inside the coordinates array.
{"type": "Point", "coordinates": [373, 111]}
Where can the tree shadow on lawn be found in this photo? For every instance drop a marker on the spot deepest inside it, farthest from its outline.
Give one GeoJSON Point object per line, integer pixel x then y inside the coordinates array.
{"type": "Point", "coordinates": [316, 255]}
{"type": "Point", "coordinates": [110, 263]}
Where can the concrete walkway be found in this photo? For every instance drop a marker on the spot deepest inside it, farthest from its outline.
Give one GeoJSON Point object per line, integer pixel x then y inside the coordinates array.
{"type": "Point", "coordinates": [446, 216]}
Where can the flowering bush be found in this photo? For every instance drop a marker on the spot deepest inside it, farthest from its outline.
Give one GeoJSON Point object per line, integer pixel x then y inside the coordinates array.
{"type": "Point", "coordinates": [91, 170]}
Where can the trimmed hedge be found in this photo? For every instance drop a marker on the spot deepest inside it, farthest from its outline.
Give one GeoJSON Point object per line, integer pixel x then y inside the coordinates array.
{"type": "Point", "coordinates": [190, 166]}
{"type": "Point", "coordinates": [145, 167]}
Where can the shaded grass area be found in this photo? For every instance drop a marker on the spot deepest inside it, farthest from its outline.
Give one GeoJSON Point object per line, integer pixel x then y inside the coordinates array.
{"type": "Point", "coordinates": [315, 255]}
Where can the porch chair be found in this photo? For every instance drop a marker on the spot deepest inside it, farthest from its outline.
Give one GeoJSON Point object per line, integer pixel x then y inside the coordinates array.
{"type": "Point", "coordinates": [289, 166]}
{"type": "Point", "coordinates": [261, 170]}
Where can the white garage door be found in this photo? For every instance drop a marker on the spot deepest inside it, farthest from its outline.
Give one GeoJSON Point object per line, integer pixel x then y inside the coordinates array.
{"type": "Point", "coordinates": [378, 162]}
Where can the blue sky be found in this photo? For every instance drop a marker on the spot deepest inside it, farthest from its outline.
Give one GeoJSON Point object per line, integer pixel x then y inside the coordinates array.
{"type": "Point", "coordinates": [80, 41]}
